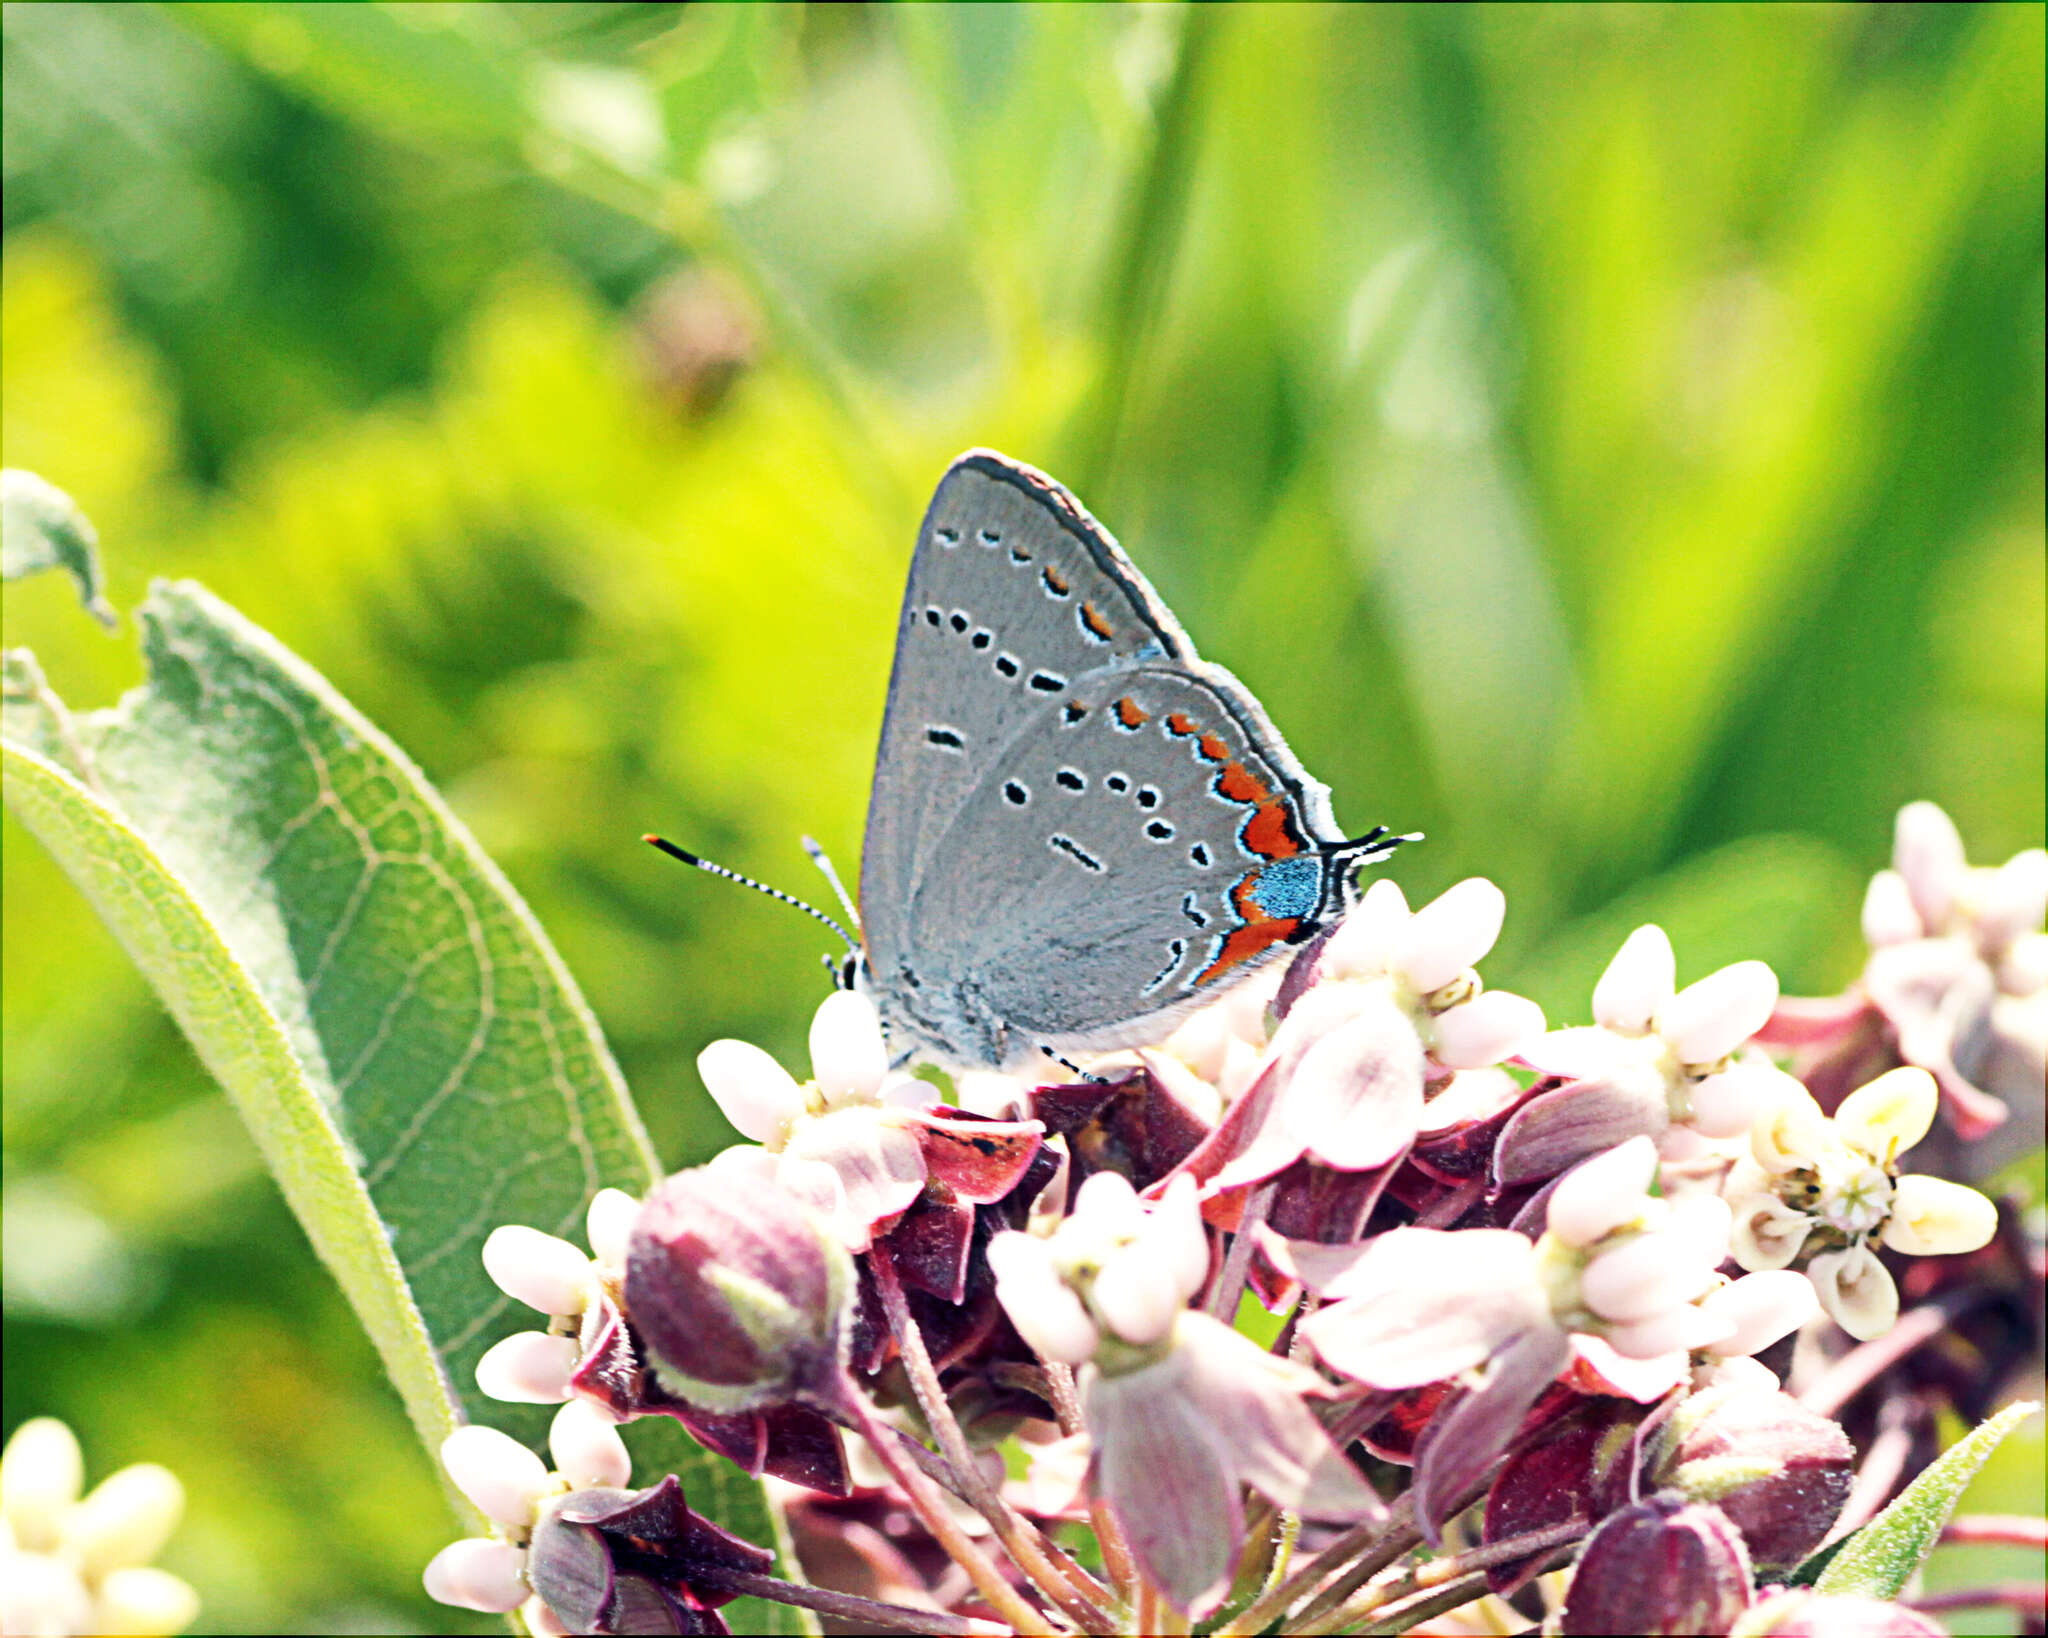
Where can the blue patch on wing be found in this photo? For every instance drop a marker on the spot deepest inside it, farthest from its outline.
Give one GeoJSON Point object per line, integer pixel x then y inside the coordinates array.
{"type": "Point", "coordinates": [1290, 887]}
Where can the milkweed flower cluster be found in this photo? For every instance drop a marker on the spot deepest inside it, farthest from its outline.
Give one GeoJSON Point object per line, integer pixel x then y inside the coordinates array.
{"type": "Point", "coordinates": [72, 1563]}
{"type": "Point", "coordinates": [1272, 1302]}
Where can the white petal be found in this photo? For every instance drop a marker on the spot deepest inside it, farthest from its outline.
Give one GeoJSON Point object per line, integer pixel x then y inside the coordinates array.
{"type": "Point", "coordinates": [1766, 1232]}
{"type": "Point", "coordinates": [1047, 1314]}
{"type": "Point", "coordinates": [1762, 1308]}
{"type": "Point", "coordinates": [1643, 1277]}
{"type": "Point", "coordinates": [40, 1475]}
{"type": "Point", "coordinates": [848, 1057]}
{"type": "Point", "coordinates": [1932, 1217]}
{"type": "Point", "coordinates": [1856, 1290]}
{"type": "Point", "coordinates": [1106, 1204]}
{"type": "Point", "coordinates": [1727, 1105]}
{"type": "Point", "coordinates": [2024, 971]}
{"type": "Point", "coordinates": [989, 1092]}
{"type": "Point", "coordinates": [1887, 1116]}
{"type": "Point", "coordinates": [1640, 979]}
{"type": "Point", "coordinates": [587, 1448]}
{"type": "Point", "coordinates": [528, 1368]}
{"type": "Point", "coordinates": [1132, 1299]}
{"type": "Point", "coordinates": [751, 1090]}
{"type": "Point", "coordinates": [1888, 913]}
{"type": "Point", "coordinates": [1791, 1132]}
{"type": "Point", "coordinates": [1706, 1223]}
{"type": "Point", "coordinates": [1364, 942]}
{"type": "Point", "coordinates": [1176, 1237]}
{"type": "Point", "coordinates": [1674, 1330]}
{"type": "Point", "coordinates": [1600, 1195]}
{"type": "Point", "coordinates": [609, 1224]}
{"type": "Point", "coordinates": [125, 1519]}
{"type": "Point", "coordinates": [537, 1269]}
{"type": "Point", "coordinates": [1706, 1021]}
{"type": "Point", "coordinates": [1486, 1029]}
{"type": "Point", "coordinates": [478, 1575]}
{"type": "Point", "coordinates": [139, 1600]}
{"type": "Point", "coordinates": [496, 1472]}
{"type": "Point", "coordinates": [1928, 852]}
{"type": "Point", "coordinates": [40, 1594]}
{"type": "Point", "coordinates": [1450, 933]}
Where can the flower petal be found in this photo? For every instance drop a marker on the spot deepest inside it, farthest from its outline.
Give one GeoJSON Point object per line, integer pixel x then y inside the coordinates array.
{"type": "Point", "coordinates": [586, 1447]}
{"type": "Point", "coordinates": [125, 1519]}
{"type": "Point", "coordinates": [477, 1574]}
{"type": "Point", "coordinates": [1046, 1312]}
{"type": "Point", "coordinates": [1558, 1129]}
{"type": "Point", "coordinates": [1761, 1308]}
{"type": "Point", "coordinates": [609, 1225]}
{"type": "Point", "coordinates": [537, 1269]}
{"type": "Point", "coordinates": [1727, 1105]}
{"type": "Point", "coordinates": [1672, 1331]}
{"type": "Point", "coordinates": [1889, 916]}
{"type": "Point", "coordinates": [496, 1472]}
{"type": "Point", "coordinates": [1491, 1026]}
{"type": "Point", "coordinates": [1790, 1133]}
{"type": "Point", "coordinates": [1355, 1096]}
{"type": "Point", "coordinates": [879, 1161]}
{"type": "Point", "coordinates": [1706, 1021]}
{"type": "Point", "coordinates": [1644, 1276]}
{"type": "Point", "coordinates": [2014, 900]}
{"type": "Point", "coordinates": [1600, 1195]}
{"type": "Point", "coordinates": [1463, 1440]}
{"type": "Point", "coordinates": [1928, 852]}
{"type": "Point", "coordinates": [848, 1057]}
{"type": "Point", "coordinates": [1887, 1116]}
{"type": "Point", "coordinates": [1450, 933]}
{"type": "Point", "coordinates": [1363, 944]}
{"type": "Point", "coordinates": [40, 1476]}
{"type": "Point", "coordinates": [751, 1090]}
{"type": "Point", "coordinates": [1766, 1232]}
{"type": "Point", "coordinates": [1857, 1291]}
{"type": "Point", "coordinates": [1131, 1298]}
{"type": "Point", "coordinates": [1932, 1217]}
{"type": "Point", "coordinates": [1642, 976]}
{"type": "Point", "coordinates": [528, 1368]}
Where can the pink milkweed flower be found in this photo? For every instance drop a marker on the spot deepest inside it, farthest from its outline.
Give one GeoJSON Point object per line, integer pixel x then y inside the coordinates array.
{"type": "Point", "coordinates": [1182, 1411]}
{"type": "Point", "coordinates": [1623, 1281]}
{"type": "Point", "coordinates": [856, 1143]}
{"type": "Point", "coordinates": [1656, 1057]}
{"type": "Point", "coordinates": [1394, 1002]}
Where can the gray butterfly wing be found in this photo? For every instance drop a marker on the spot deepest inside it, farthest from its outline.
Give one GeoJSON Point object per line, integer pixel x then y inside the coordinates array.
{"type": "Point", "coordinates": [1014, 591]}
{"type": "Point", "coordinates": [1158, 844]}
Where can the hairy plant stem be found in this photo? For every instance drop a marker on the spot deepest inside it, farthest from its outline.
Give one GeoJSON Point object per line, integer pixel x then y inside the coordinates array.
{"type": "Point", "coordinates": [1412, 1612]}
{"type": "Point", "coordinates": [1223, 1296]}
{"type": "Point", "coordinates": [1865, 1363]}
{"type": "Point", "coordinates": [1383, 1540]}
{"type": "Point", "coordinates": [1056, 1575]}
{"type": "Point", "coordinates": [1330, 1612]}
{"type": "Point", "coordinates": [1109, 1531]}
{"type": "Point", "coordinates": [924, 1497]}
{"type": "Point", "coordinates": [847, 1606]}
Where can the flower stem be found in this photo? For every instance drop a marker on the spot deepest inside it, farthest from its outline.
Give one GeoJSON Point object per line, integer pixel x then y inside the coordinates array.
{"type": "Point", "coordinates": [1109, 1531]}
{"type": "Point", "coordinates": [1052, 1571]}
{"type": "Point", "coordinates": [1330, 1612]}
{"type": "Point", "coordinates": [849, 1607]}
{"type": "Point", "coordinates": [924, 1496]}
{"type": "Point", "coordinates": [1222, 1303]}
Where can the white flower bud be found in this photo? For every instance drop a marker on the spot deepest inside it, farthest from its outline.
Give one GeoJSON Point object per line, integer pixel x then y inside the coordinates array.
{"type": "Point", "coordinates": [1491, 1026]}
{"type": "Point", "coordinates": [478, 1575]}
{"type": "Point", "coordinates": [1706, 1021]}
{"type": "Point", "coordinates": [1600, 1195]}
{"type": "Point", "coordinates": [1640, 979]}
{"type": "Point", "coordinates": [1928, 853]}
{"type": "Point", "coordinates": [1887, 1116]}
{"type": "Point", "coordinates": [1767, 1233]}
{"type": "Point", "coordinates": [2014, 900]}
{"type": "Point", "coordinates": [848, 1058]}
{"type": "Point", "coordinates": [40, 1475]}
{"type": "Point", "coordinates": [1364, 941]}
{"type": "Point", "coordinates": [1727, 1105]}
{"type": "Point", "coordinates": [125, 1519]}
{"type": "Point", "coordinates": [1932, 1217]}
{"type": "Point", "coordinates": [1761, 1308]}
{"type": "Point", "coordinates": [609, 1224]}
{"type": "Point", "coordinates": [1047, 1313]}
{"type": "Point", "coordinates": [1175, 1235]}
{"type": "Point", "coordinates": [495, 1471]}
{"type": "Point", "coordinates": [1450, 933]}
{"type": "Point", "coordinates": [539, 1270]}
{"type": "Point", "coordinates": [1669, 1331]}
{"type": "Point", "coordinates": [1857, 1291]}
{"type": "Point", "coordinates": [528, 1368]}
{"type": "Point", "coordinates": [141, 1602]}
{"type": "Point", "coordinates": [1888, 913]}
{"type": "Point", "coordinates": [751, 1090]}
{"type": "Point", "coordinates": [587, 1448]}
{"type": "Point", "coordinates": [1645, 1276]}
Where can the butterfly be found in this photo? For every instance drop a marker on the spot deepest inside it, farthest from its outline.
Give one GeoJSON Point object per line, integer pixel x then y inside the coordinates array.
{"type": "Point", "coordinates": [1079, 831]}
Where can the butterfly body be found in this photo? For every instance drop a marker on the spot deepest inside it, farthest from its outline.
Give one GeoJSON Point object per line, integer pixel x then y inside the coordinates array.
{"type": "Point", "coordinates": [1080, 831]}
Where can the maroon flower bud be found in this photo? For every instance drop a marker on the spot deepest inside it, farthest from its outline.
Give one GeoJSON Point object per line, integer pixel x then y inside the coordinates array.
{"type": "Point", "coordinates": [1656, 1567]}
{"type": "Point", "coordinates": [740, 1295]}
{"type": "Point", "coordinates": [1578, 1468]}
{"type": "Point", "coordinates": [1778, 1470]}
{"type": "Point", "coordinates": [1803, 1614]}
{"type": "Point", "coordinates": [623, 1561]}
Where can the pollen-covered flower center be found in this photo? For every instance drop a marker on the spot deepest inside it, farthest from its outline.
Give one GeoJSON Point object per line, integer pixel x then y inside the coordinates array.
{"type": "Point", "coordinates": [1853, 1195]}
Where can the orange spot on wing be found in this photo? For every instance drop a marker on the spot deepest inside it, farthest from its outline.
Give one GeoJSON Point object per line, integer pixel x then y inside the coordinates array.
{"type": "Point", "coordinates": [1213, 749]}
{"type": "Point", "coordinates": [1237, 783]}
{"type": "Point", "coordinates": [1055, 581]}
{"type": "Point", "coordinates": [1270, 831]}
{"type": "Point", "coordinates": [1181, 725]}
{"type": "Point", "coordinates": [1128, 713]}
{"type": "Point", "coordinates": [1093, 619]}
{"type": "Point", "coordinates": [1245, 943]}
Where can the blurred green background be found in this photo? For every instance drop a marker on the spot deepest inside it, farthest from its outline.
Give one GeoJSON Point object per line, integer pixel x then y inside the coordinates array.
{"type": "Point", "coordinates": [1609, 439]}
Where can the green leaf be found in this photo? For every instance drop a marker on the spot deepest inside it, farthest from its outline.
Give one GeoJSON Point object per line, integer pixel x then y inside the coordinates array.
{"type": "Point", "coordinates": [42, 528]}
{"type": "Point", "coordinates": [412, 1057]}
{"type": "Point", "coordinates": [1879, 1559]}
